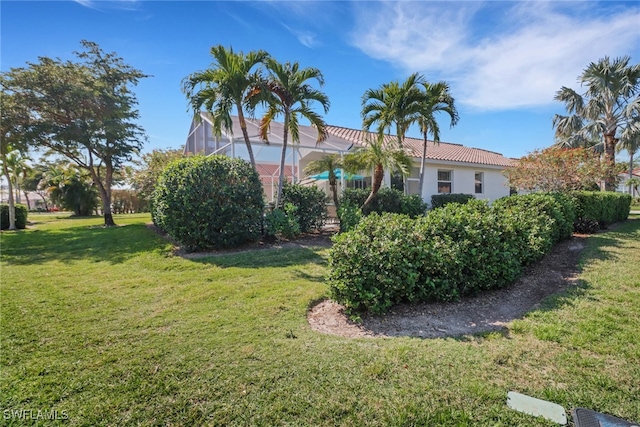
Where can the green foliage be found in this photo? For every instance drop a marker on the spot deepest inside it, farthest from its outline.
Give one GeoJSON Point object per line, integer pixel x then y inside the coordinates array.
{"type": "Point", "coordinates": [72, 189]}
{"type": "Point", "coordinates": [283, 223]}
{"type": "Point", "coordinates": [558, 208]}
{"type": "Point", "coordinates": [349, 215]}
{"type": "Point", "coordinates": [439, 200]}
{"type": "Point", "coordinates": [386, 200]}
{"type": "Point", "coordinates": [310, 203]}
{"type": "Point", "coordinates": [605, 207]}
{"type": "Point", "coordinates": [209, 202]}
{"type": "Point", "coordinates": [447, 253]}
{"type": "Point", "coordinates": [21, 216]}
{"type": "Point", "coordinates": [456, 250]}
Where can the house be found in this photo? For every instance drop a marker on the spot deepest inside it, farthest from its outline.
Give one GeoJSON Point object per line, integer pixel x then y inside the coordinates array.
{"type": "Point", "coordinates": [623, 187]}
{"type": "Point", "coordinates": [449, 168]}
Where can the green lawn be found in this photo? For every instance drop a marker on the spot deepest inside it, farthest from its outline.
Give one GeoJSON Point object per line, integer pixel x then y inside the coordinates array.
{"type": "Point", "coordinates": [106, 327]}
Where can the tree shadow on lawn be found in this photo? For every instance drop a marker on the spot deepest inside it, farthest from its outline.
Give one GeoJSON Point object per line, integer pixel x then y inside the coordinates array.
{"type": "Point", "coordinates": [99, 244]}
{"type": "Point", "coordinates": [267, 258]}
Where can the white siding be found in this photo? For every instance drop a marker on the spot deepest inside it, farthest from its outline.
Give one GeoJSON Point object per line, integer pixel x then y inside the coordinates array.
{"type": "Point", "coordinates": [494, 184]}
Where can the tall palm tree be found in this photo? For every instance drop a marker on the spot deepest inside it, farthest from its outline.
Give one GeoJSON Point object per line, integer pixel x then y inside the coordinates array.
{"type": "Point", "coordinates": [393, 104]}
{"type": "Point", "coordinates": [378, 155]}
{"type": "Point", "coordinates": [328, 163]}
{"type": "Point", "coordinates": [224, 87]}
{"type": "Point", "coordinates": [608, 108]}
{"type": "Point", "coordinates": [437, 98]}
{"type": "Point", "coordinates": [286, 92]}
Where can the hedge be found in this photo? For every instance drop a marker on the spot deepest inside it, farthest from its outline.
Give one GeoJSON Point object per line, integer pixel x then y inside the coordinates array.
{"type": "Point", "coordinates": [21, 216]}
{"type": "Point", "coordinates": [209, 202]}
{"type": "Point", "coordinates": [603, 207]}
{"type": "Point", "coordinates": [440, 200]}
{"type": "Point", "coordinates": [310, 203]}
{"type": "Point", "coordinates": [456, 250]}
{"type": "Point", "coordinates": [386, 200]}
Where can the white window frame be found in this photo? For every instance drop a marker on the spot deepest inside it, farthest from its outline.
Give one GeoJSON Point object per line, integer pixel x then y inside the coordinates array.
{"type": "Point", "coordinates": [444, 181]}
{"type": "Point", "coordinates": [476, 182]}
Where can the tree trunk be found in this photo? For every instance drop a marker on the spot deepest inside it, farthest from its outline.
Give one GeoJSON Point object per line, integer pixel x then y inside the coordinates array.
{"type": "Point", "coordinates": [610, 159]}
{"type": "Point", "coordinates": [333, 184]}
{"type": "Point", "coordinates": [378, 175]}
{"type": "Point", "coordinates": [422, 164]}
{"type": "Point", "coordinates": [283, 157]}
{"type": "Point", "coordinates": [631, 171]}
{"type": "Point", "coordinates": [245, 134]}
{"type": "Point", "coordinates": [12, 204]}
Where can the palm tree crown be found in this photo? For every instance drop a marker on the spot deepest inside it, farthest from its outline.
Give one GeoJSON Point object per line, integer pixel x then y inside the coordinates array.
{"type": "Point", "coordinates": [328, 163]}
{"type": "Point", "coordinates": [393, 104]}
{"type": "Point", "coordinates": [378, 155]}
{"type": "Point", "coordinates": [609, 109]}
{"type": "Point", "coordinates": [225, 86]}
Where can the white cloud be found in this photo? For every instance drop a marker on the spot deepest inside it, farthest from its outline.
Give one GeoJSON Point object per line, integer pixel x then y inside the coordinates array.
{"type": "Point", "coordinates": [306, 38]}
{"type": "Point", "coordinates": [101, 5]}
{"type": "Point", "coordinates": [497, 55]}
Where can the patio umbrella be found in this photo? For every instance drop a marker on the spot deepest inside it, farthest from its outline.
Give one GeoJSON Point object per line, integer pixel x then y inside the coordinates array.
{"type": "Point", "coordinates": [325, 175]}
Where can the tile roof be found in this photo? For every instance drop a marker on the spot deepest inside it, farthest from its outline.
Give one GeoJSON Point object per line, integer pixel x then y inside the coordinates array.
{"type": "Point", "coordinates": [443, 151]}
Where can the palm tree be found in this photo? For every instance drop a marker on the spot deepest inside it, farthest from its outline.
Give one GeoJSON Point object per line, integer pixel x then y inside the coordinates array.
{"type": "Point", "coordinates": [224, 86]}
{"type": "Point", "coordinates": [328, 163]}
{"type": "Point", "coordinates": [287, 92]}
{"type": "Point", "coordinates": [608, 108]}
{"type": "Point", "coordinates": [437, 98]}
{"type": "Point", "coordinates": [378, 155]}
{"type": "Point", "coordinates": [393, 104]}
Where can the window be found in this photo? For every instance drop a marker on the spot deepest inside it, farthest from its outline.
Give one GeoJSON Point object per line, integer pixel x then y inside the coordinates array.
{"type": "Point", "coordinates": [479, 182]}
{"type": "Point", "coordinates": [444, 182]}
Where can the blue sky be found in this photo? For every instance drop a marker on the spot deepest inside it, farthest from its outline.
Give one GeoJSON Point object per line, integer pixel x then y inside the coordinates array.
{"type": "Point", "coordinates": [504, 60]}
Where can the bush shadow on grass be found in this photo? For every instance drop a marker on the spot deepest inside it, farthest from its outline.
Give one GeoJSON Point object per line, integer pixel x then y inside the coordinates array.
{"type": "Point", "coordinates": [113, 245]}
{"type": "Point", "coordinates": [266, 258]}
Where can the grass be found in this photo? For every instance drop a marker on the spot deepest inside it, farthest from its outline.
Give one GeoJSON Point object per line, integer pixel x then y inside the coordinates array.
{"type": "Point", "coordinates": [107, 327]}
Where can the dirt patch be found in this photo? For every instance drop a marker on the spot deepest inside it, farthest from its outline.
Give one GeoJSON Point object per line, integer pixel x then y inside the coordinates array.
{"type": "Point", "coordinates": [488, 311]}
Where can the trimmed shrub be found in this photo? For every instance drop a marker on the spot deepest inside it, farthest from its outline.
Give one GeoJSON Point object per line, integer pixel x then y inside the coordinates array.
{"type": "Point", "coordinates": [440, 200]}
{"type": "Point", "coordinates": [21, 216]}
{"type": "Point", "coordinates": [605, 207]}
{"type": "Point", "coordinates": [310, 203]}
{"type": "Point", "coordinates": [349, 215]}
{"type": "Point", "coordinates": [209, 202]}
{"type": "Point", "coordinates": [449, 252]}
{"type": "Point", "coordinates": [456, 250]}
{"type": "Point", "coordinates": [555, 206]}
{"type": "Point", "coordinates": [386, 200]}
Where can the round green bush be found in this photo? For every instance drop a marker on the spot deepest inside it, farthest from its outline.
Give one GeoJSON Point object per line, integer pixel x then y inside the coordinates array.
{"type": "Point", "coordinates": [21, 216]}
{"type": "Point", "coordinates": [209, 202]}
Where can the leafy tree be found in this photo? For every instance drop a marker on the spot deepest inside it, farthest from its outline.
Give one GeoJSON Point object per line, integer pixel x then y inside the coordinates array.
{"type": "Point", "coordinates": [631, 145]}
{"type": "Point", "coordinates": [377, 155]}
{"type": "Point", "coordinates": [224, 86]}
{"type": "Point", "coordinates": [34, 182]}
{"type": "Point", "coordinates": [328, 163]}
{"type": "Point", "coordinates": [72, 189]}
{"type": "Point", "coordinates": [559, 170]}
{"type": "Point", "coordinates": [287, 92]}
{"type": "Point", "coordinates": [437, 98]}
{"type": "Point", "coordinates": [86, 112]}
{"type": "Point", "coordinates": [15, 125]}
{"type": "Point", "coordinates": [609, 109]}
{"type": "Point", "coordinates": [149, 169]}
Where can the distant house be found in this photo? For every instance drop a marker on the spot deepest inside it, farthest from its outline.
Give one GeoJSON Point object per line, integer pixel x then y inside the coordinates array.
{"type": "Point", "coordinates": [623, 187]}
{"type": "Point", "coordinates": [450, 168]}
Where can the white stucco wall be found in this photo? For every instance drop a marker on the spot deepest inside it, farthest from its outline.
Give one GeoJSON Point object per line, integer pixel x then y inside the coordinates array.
{"type": "Point", "coordinates": [495, 185]}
